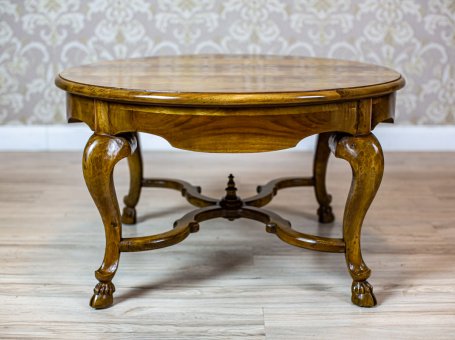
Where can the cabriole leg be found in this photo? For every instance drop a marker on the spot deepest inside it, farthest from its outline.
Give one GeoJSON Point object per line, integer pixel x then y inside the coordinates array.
{"type": "Point", "coordinates": [101, 154]}
{"type": "Point", "coordinates": [131, 200]}
{"type": "Point", "coordinates": [321, 158]}
{"type": "Point", "coordinates": [364, 154]}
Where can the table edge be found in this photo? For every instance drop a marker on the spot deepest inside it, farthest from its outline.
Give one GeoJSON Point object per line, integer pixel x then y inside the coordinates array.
{"type": "Point", "coordinates": [227, 99]}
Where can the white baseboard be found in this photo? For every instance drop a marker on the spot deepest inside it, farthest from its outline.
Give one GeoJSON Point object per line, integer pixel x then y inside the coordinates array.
{"type": "Point", "coordinates": [73, 138]}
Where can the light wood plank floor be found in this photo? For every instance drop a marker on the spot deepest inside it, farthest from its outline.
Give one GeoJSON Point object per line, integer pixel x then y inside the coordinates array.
{"type": "Point", "coordinates": [231, 280]}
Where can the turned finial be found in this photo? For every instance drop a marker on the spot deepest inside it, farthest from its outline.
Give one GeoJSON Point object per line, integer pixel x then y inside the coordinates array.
{"type": "Point", "coordinates": [231, 200]}
{"type": "Point", "coordinates": [231, 189]}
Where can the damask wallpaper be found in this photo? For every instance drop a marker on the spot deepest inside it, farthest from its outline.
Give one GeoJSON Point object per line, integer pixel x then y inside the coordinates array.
{"type": "Point", "coordinates": [38, 38]}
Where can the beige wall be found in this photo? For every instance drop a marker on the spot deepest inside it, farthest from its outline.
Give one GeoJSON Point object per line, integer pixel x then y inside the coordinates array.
{"type": "Point", "coordinates": [40, 37]}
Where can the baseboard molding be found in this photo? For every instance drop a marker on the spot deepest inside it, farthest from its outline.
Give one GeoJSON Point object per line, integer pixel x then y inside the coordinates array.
{"type": "Point", "coordinates": [74, 137]}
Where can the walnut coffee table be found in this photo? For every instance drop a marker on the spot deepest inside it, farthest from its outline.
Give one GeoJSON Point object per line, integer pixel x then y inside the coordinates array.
{"type": "Point", "coordinates": [227, 103]}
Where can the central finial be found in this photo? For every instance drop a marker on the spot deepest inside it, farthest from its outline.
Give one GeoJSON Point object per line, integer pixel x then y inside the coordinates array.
{"type": "Point", "coordinates": [231, 200]}
{"type": "Point", "coordinates": [231, 189]}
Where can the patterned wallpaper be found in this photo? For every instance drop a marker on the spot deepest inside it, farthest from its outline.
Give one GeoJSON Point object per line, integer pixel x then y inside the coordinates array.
{"type": "Point", "coordinates": [38, 38]}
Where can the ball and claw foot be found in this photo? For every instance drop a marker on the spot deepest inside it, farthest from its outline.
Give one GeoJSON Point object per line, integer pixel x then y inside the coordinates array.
{"type": "Point", "coordinates": [103, 295]}
{"type": "Point", "coordinates": [129, 215]}
{"type": "Point", "coordinates": [325, 214]}
{"type": "Point", "coordinates": [362, 294]}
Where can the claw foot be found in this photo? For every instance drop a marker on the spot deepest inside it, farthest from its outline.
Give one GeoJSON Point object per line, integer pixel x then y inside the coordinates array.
{"type": "Point", "coordinates": [325, 214]}
{"type": "Point", "coordinates": [129, 215]}
{"type": "Point", "coordinates": [103, 295]}
{"type": "Point", "coordinates": [362, 294]}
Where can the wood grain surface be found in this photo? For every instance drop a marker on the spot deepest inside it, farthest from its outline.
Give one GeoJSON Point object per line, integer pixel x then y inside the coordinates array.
{"type": "Point", "coordinates": [231, 280]}
{"type": "Point", "coordinates": [229, 80]}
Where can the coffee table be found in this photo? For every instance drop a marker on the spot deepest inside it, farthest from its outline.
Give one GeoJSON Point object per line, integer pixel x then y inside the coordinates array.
{"type": "Point", "coordinates": [232, 104]}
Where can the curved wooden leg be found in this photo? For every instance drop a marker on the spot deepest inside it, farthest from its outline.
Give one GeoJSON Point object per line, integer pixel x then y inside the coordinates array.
{"type": "Point", "coordinates": [101, 154]}
{"type": "Point", "coordinates": [131, 200]}
{"type": "Point", "coordinates": [321, 157]}
{"type": "Point", "coordinates": [364, 154]}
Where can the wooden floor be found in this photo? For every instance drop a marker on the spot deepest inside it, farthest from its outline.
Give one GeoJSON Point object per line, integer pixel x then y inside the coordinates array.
{"type": "Point", "coordinates": [231, 280]}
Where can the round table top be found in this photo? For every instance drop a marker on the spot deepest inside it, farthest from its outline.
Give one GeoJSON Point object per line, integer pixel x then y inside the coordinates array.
{"type": "Point", "coordinates": [223, 80]}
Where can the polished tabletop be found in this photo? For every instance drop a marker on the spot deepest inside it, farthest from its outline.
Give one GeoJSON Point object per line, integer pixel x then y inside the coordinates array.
{"type": "Point", "coordinates": [229, 80]}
